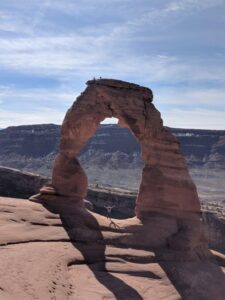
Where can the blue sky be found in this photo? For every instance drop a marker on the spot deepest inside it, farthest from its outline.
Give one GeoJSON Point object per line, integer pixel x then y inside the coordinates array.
{"type": "Point", "coordinates": [50, 48]}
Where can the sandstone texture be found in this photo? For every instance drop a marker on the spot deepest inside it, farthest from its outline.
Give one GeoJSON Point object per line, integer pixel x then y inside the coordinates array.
{"type": "Point", "coordinates": [14, 183]}
{"type": "Point", "coordinates": [76, 254]}
{"type": "Point", "coordinates": [167, 196]}
{"type": "Point", "coordinates": [166, 185]}
{"type": "Point", "coordinates": [73, 253]}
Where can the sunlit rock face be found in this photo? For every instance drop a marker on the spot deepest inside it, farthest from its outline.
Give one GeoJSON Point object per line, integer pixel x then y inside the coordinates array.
{"type": "Point", "coordinates": [166, 185]}
{"type": "Point", "coordinates": [167, 206]}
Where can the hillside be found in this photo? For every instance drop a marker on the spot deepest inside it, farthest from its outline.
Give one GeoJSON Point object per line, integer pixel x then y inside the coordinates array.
{"type": "Point", "coordinates": [200, 147]}
{"type": "Point", "coordinates": [112, 156]}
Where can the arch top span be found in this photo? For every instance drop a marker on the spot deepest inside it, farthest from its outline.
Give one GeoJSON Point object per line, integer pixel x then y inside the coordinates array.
{"type": "Point", "coordinates": [120, 84]}
{"type": "Point", "coordinates": [166, 185]}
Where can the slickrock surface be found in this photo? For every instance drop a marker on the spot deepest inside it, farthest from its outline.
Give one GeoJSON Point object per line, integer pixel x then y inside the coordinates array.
{"type": "Point", "coordinates": [43, 256]}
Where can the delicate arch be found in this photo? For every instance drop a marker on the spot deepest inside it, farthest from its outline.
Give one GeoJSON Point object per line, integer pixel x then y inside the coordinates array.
{"type": "Point", "coordinates": [166, 185]}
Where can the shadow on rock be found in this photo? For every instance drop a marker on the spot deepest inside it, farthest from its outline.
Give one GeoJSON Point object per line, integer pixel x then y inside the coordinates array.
{"type": "Point", "coordinates": [86, 236]}
{"type": "Point", "coordinates": [194, 274]}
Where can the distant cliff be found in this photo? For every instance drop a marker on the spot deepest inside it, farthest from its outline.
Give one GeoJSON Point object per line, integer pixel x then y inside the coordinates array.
{"type": "Point", "coordinates": [29, 148]}
{"type": "Point", "coordinates": [33, 147]}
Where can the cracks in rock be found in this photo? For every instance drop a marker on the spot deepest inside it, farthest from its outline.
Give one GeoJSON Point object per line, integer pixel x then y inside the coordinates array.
{"type": "Point", "coordinates": [110, 109]}
{"type": "Point", "coordinates": [53, 217]}
{"type": "Point", "coordinates": [145, 112]}
{"type": "Point", "coordinates": [13, 220]}
{"type": "Point", "coordinates": [6, 211]}
{"type": "Point", "coordinates": [79, 262]}
{"type": "Point", "coordinates": [8, 205]}
{"type": "Point", "coordinates": [36, 241]}
{"type": "Point", "coordinates": [44, 224]}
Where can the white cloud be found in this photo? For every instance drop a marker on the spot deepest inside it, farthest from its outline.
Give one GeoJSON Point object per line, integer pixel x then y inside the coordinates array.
{"type": "Point", "coordinates": [38, 116]}
{"type": "Point", "coordinates": [153, 16]}
{"type": "Point", "coordinates": [56, 96]}
{"type": "Point", "coordinates": [189, 5]}
{"type": "Point", "coordinates": [44, 5]}
{"type": "Point", "coordinates": [192, 97]}
{"type": "Point", "coordinates": [132, 47]}
{"type": "Point", "coordinates": [52, 55]}
{"type": "Point", "coordinates": [196, 118]}
{"type": "Point", "coordinates": [69, 55]}
{"type": "Point", "coordinates": [105, 51]}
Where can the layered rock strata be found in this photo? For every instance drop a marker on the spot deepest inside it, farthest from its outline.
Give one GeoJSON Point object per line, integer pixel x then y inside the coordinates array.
{"type": "Point", "coordinates": [14, 183]}
{"type": "Point", "coordinates": [166, 187]}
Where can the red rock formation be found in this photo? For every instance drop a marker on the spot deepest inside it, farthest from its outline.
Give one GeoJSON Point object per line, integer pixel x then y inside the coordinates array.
{"type": "Point", "coordinates": [152, 256]}
{"type": "Point", "coordinates": [166, 186]}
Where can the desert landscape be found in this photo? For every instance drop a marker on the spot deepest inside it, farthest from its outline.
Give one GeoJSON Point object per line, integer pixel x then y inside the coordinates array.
{"type": "Point", "coordinates": [112, 157]}
{"type": "Point", "coordinates": [59, 245]}
{"type": "Point", "coordinates": [112, 150]}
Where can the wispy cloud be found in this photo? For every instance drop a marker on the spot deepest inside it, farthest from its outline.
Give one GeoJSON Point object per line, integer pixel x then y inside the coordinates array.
{"type": "Point", "coordinates": [38, 116]}
{"type": "Point", "coordinates": [55, 95]}
{"type": "Point", "coordinates": [176, 47]}
{"type": "Point", "coordinates": [194, 118]}
{"type": "Point", "coordinates": [213, 99]}
{"type": "Point", "coordinates": [171, 12]}
{"type": "Point", "coordinates": [69, 55]}
{"type": "Point", "coordinates": [187, 5]}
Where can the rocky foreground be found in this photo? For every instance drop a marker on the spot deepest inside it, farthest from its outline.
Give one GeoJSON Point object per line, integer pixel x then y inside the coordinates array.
{"type": "Point", "coordinates": [45, 256]}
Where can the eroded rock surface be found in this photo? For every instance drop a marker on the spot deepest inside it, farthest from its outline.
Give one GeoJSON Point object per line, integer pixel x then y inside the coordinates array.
{"type": "Point", "coordinates": [166, 185]}
{"type": "Point", "coordinates": [14, 183]}
{"type": "Point", "coordinates": [76, 254]}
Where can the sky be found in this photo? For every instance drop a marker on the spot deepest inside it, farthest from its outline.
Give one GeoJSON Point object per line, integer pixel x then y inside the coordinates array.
{"type": "Point", "coordinates": [50, 48]}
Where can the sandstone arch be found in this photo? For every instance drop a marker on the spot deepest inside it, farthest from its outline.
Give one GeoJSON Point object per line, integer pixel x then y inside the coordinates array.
{"type": "Point", "coordinates": [166, 185]}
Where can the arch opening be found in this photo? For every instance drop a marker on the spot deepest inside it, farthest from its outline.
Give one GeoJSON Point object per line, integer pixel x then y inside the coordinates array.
{"type": "Point", "coordinates": [166, 186]}
{"type": "Point", "coordinates": [112, 162]}
{"type": "Point", "coordinates": [111, 121]}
